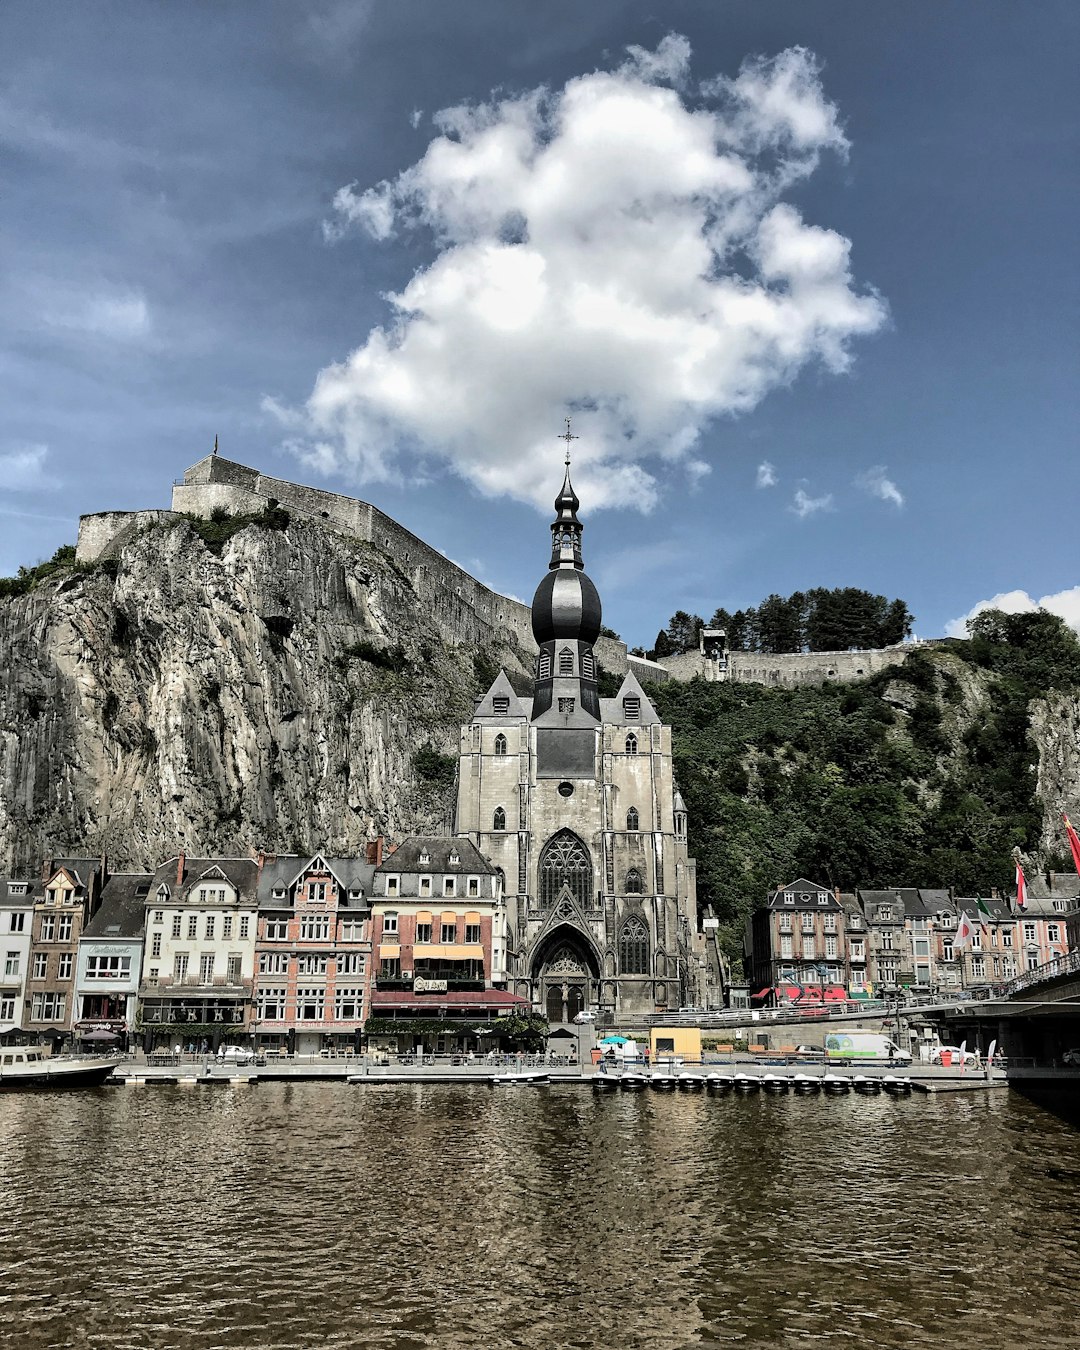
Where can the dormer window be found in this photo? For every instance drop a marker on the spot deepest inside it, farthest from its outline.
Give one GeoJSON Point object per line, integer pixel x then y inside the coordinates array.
{"type": "Point", "coordinates": [17, 888]}
{"type": "Point", "coordinates": [789, 899]}
{"type": "Point", "coordinates": [425, 856]}
{"type": "Point", "coordinates": [279, 892]}
{"type": "Point", "coordinates": [500, 744]}
{"type": "Point", "coordinates": [455, 857]}
{"type": "Point", "coordinates": [823, 899]}
{"type": "Point", "coordinates": [501, 704]}
{"type": "Point", "coordinates": [392, 885]}
{"type": "Point", "coordinates": [356, 894]}
{"type": "Point", "coordinates": [631, 706]}
{"type": "Point", "coordinates": [884, 913]}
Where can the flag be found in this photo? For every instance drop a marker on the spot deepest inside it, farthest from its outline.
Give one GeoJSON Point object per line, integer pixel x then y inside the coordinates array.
{"type": "Point", "coordinates": [1021, 887]}
{"type": "Point", "coordinates": [984, 912]}
{"type": "Point", "coordinates": [964, 933]}
{"type": "Point", "coordinates": [1074, 842]}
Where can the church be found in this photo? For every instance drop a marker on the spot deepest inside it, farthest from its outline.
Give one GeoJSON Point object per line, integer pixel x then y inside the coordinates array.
{"type": "Point", "coordinates": [572, 798]}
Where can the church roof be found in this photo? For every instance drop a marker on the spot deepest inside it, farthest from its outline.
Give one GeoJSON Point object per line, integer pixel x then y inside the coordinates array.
{"type": "Point", "coordinates": [502, 689]}
{"type": "Point", "coordinates": [613, 709]}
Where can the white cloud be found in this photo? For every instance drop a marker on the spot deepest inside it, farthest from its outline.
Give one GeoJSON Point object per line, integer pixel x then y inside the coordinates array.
{"type": "Point", "coordinates": [607, 250]}
{"type": "Point", "coordinates": [120, 315]}
{"type": "Point", "coordinates": [23, 470]}
{"type": "Point", "coordinates": [416, 117]}
{"type": "Point", "coordinates": [1066, 604]}
{"type": "Point", "coordinates": [766, 475]}
{"type": "Point", "coordinates": [804, 505]}
{"type": "Point", "coordinates": [875, 482]}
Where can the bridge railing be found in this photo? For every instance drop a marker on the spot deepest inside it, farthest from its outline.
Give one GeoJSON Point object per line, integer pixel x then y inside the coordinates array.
{"type": "Point", "coordinates": [1049, 970]}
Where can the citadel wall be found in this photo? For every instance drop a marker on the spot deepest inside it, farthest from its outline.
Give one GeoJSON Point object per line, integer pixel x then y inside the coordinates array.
{"type": "Point", "coordinates": [792, 670]}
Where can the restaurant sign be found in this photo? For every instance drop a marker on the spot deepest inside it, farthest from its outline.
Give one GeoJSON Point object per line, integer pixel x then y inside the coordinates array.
{"type": "Point", "coordinates": [421, 986]}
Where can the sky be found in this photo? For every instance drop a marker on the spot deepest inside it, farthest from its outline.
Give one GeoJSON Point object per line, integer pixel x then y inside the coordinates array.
{"type": "Point", "coordinates": [802, 276]}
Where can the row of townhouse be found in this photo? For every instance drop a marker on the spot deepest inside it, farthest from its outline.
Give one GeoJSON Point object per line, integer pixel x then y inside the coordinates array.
{"type": "Point", "coordinates": [812, 943]}
{"type": "Point", "coordinates": [294, 953]}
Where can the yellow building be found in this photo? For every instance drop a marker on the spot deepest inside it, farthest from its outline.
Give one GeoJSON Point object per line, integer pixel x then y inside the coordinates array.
{"type": "Point", "coordinates": [674, 1043]}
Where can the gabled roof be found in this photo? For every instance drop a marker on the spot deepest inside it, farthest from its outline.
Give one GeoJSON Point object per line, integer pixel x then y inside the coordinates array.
{"type": "Point", "coordinates": [999, 909]}
{"type": "Point", "coordinates": [406, 857]}
{"type": "Point", "coordinates": [803, 888]}
{"type": "Point", "coordinates": [517, 708]}
{"type": "Point", "coordinates": [240, 873]}
{"type": "Point", "coordinates": [122, 912]}
{"type": "Point", "coordinates": [81, 871]}
{"type": "Point", "coordinates": [611, 709]}
{"type": "Point", "coordinates": [283, 873]}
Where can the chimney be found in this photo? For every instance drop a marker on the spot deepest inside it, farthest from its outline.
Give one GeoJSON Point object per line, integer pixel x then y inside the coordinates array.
{"type": "Point", "coordinates": [180, 861]}
{"type": "Point", "coordinates": [373, 850]}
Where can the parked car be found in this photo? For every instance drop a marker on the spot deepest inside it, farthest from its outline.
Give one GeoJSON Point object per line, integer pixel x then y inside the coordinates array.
{"type": "Point", "coordinates": [235, 1054]}
{"type": "Point", "coordinates": [971, 1057]}
{"type": "Point", "coordinates": [584, 1017]}
{"type": "Point", "coordinates": [813, 1050]}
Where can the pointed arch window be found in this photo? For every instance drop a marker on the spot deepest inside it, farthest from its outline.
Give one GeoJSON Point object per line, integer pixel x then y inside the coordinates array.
{"type": "Point", "coordinates": [632, 818]}
{"type": "Point", "coordinates": [498, 820]}
{"type": "Point", "coordinates": [633, 882]}
{"type": "Point", "coordinates": [588, 665]}
{"type": "Point", "coordinates": [543, 669]}
{"type": "Point", "coordinates": [566, 662]}
{"type": "Point", "coordinates": [565, 861]}
{"type": "Point", "coordinates": [634, 948]}
{"type": "Point", "coordinates": [631, 744]}
{"type": "Point", "coordinates": [500, 744]}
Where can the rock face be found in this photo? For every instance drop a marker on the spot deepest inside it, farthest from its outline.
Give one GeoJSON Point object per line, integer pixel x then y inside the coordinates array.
{"type": "Point", "coordinates": [1055, 729]}
{"type": "Point", "coordinates": [271, 692]}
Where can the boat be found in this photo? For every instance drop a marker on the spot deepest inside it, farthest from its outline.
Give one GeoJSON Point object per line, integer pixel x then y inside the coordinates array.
{"type": "Point", "coordinates": [719, 1083]}
{"type": "Point", "coordinates": [525, 1078]}
{"type": "Point", "coordinates": [746, 1084]}
{"type": "Point", "coordinates": [836, 1084]}
{"type": "Point", "coordinates": [896, 1087]}
{"type": "Point", "coordinates": [774, 1083]}
{"type": "Point", "coordinates": [663, 1082]}
{"type": "Point", "coordinates": [691, 1082]}
{"type": "Point", "coordinates": [868, 1087]}
{"type": "Point", "coordinates": [602, 1084]}
{"type": "Point", "coordinates": [633, 1082]}
{"type": "Point", "coordinates": [806, 1086]}
{"type": "Point", "coordinates": [27, 1066]}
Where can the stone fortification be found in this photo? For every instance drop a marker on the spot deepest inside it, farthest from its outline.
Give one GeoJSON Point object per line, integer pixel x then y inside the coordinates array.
{"type": "Point", "coordinates": [793, 670]}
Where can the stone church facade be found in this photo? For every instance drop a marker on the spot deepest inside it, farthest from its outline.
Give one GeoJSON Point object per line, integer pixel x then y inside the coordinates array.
{"type": "Point", "coordinates": [572, 798]}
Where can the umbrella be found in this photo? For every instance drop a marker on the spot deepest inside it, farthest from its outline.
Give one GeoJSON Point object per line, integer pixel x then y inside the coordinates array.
{"type": "Point", "coordinates": [614, 1040]}
{"type": "Point", "coordinates": [101, 1035]}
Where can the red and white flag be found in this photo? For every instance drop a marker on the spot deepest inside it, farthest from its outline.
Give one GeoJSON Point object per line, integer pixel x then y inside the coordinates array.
{"type": "Point", "coordinates": [1021, 888]}
{"type": "Point", "coordinates": [964, 932]}
{"type": "Point", "coordinates": [1074, 842]}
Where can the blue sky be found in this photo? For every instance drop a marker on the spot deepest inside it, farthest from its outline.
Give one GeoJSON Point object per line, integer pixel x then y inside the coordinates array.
{"type": "Point", "coordinates": [835, 239]}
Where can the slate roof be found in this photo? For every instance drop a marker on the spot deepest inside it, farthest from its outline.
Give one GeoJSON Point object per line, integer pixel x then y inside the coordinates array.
{"type": "Point", "coordinates": [872, 902]}
{"type": "Point", "coordinates": [406, 857]}
{"type": "Point", "coordinates": [999, 909]}
{"type": "Point", "coordinates": [802, 887]}
{"type": "Point", "coordinates": [283, 872]}
{"type": "Point", "coordinates": [122, 911]}
{"type": "Point", "coordinates": [611, 709]}
{"type": "Point", "coordinates": [35, 891]}
{"type": "Point", "coordinates": [518, 708]}
{"type": "Point", "coordinates": [239, 872]}
{"type": "Point", "coordinates": [82, 870]}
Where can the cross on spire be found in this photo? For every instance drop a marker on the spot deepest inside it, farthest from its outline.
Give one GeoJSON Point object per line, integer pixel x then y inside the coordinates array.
{"type": "Point", "coordinates": [568, 437]}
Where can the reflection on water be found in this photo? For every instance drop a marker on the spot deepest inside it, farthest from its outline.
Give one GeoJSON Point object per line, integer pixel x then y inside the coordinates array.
{"type": "Point", "coordinates": [322, 1215]}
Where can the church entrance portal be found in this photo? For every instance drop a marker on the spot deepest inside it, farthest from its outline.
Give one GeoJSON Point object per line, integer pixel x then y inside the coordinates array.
{"type": "Point", "coordinates": [565, 983]}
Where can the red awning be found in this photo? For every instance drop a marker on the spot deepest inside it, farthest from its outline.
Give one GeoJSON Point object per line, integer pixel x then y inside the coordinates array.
{"type": "Point", "coordinates": [475, 1000]}
{"type": "Point", "coordinates": [762, 993]}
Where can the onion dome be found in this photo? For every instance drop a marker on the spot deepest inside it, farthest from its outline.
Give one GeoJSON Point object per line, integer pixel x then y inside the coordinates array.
{"type": "Point", "coordinates": [566, 606]}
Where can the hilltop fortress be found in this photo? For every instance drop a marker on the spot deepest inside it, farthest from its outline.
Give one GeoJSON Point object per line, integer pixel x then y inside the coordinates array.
{"type": "Point", "coordinates": [469, 609]}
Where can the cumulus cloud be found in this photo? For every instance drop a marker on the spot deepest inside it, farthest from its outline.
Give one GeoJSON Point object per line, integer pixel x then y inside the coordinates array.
{"type": "Point", "coordinates": [877, 484]}
{"type": "Point", "coordinates": [615, 250]}
{"type": "Point", "coordinates": [804, 505]}
{"type": "Point", "coordinates": [766, 475]}
{"type": "Point", "coordinates": [1066, 604]}
{"type": "Point", "coordinates": [23, 470]}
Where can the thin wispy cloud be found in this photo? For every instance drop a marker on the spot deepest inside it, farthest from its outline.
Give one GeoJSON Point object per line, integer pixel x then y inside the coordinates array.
{"type": "Point", "coordinates": [123, 316]}
{"type": "Point", "coordinates": [766, 475]}
{"type": "Point", "coordinates": [1065, 604]}
{"type": "Point", "coordinates": [23, 470]}
{"type": "Point", "coordinates": [875, 482]}
{"type": "Point", "coordinates": [593, 243]}
{"type": "Point", "coordinates": [804, 505]}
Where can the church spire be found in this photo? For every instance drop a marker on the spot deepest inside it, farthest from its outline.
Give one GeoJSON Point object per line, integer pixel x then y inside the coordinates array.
{"type": "Point", "coordinates": [566, 528]}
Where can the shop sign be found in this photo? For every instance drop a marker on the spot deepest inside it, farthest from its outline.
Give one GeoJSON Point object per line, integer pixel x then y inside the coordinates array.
{"type": "Point", "coordinates": [421, 986]}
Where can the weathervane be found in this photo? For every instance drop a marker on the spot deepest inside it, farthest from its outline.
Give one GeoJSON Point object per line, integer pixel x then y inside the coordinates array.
{"type": "Point", "coordinates": [568, 437]}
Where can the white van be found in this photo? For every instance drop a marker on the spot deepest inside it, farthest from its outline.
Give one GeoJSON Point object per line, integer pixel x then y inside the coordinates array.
{"type": "Point", "coordinates": [864, 1045]}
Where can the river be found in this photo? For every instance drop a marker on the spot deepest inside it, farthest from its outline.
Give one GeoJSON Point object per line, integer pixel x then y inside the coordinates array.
{"type": "Point", "coordinates": [297, 1217]}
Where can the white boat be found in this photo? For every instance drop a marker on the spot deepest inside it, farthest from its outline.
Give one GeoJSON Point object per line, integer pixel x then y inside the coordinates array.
{"type": "Point", "coordinates": [747, 1083]}
{"type": "Point", "coordinates": [896, 1087]}
{"type": "Point", "coordinates": [806, 1086]}
{"type": "Point", "coordinates": [774, 1083]}
{"type": "Point", "coordinates": [719, 1082]}
{"type": "Point", "coordinates": [836, 1084]}
{"type": "Point", "coordinates": [523, 1079]}
{"type": "Point", "coordinates": [663, 1082]}
{"type": "Point", "coordinates": [27, 1066]}
{"type": "Point", "coordinates": [633, 1082]}
{"type": "Point", "coordinates": [691, 1082]}
{"type": "Point", "coordinates": [867, 1087]}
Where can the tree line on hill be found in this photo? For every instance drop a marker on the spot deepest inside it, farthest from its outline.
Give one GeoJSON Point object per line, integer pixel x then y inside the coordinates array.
{"type": "Point", "coordinates": [817, 620]}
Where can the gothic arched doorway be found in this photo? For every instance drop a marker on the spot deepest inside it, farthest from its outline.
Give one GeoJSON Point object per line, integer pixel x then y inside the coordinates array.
{"type": "Point", "coordinates": [565, 968]}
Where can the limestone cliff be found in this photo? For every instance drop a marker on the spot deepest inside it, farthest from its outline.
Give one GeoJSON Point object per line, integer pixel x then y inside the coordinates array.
{"type": "Point", "coordinates": [270, 689]}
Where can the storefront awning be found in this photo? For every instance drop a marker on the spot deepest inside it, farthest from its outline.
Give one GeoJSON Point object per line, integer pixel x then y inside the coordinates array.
{"type": "Point", "coordinates": [448, 951]}
{"type": "Point", "coordinates": [423, 916]}
{"type": "Point", "coordinates": [387, 951]}
{"type": "Point", "coordinates": [474, 1000]}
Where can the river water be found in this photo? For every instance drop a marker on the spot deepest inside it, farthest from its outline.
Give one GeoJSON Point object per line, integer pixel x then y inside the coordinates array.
{"type": "Point", "coordinates": [289, 1217]}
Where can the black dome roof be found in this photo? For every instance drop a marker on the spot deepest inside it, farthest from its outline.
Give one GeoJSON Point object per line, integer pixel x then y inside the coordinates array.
{"type": "Point", "coordinates": [566, 605]}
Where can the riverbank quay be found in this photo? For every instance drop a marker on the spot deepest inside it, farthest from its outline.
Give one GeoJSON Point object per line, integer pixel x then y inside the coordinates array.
{"type": "Point", "coordinates": [362, 1070]}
